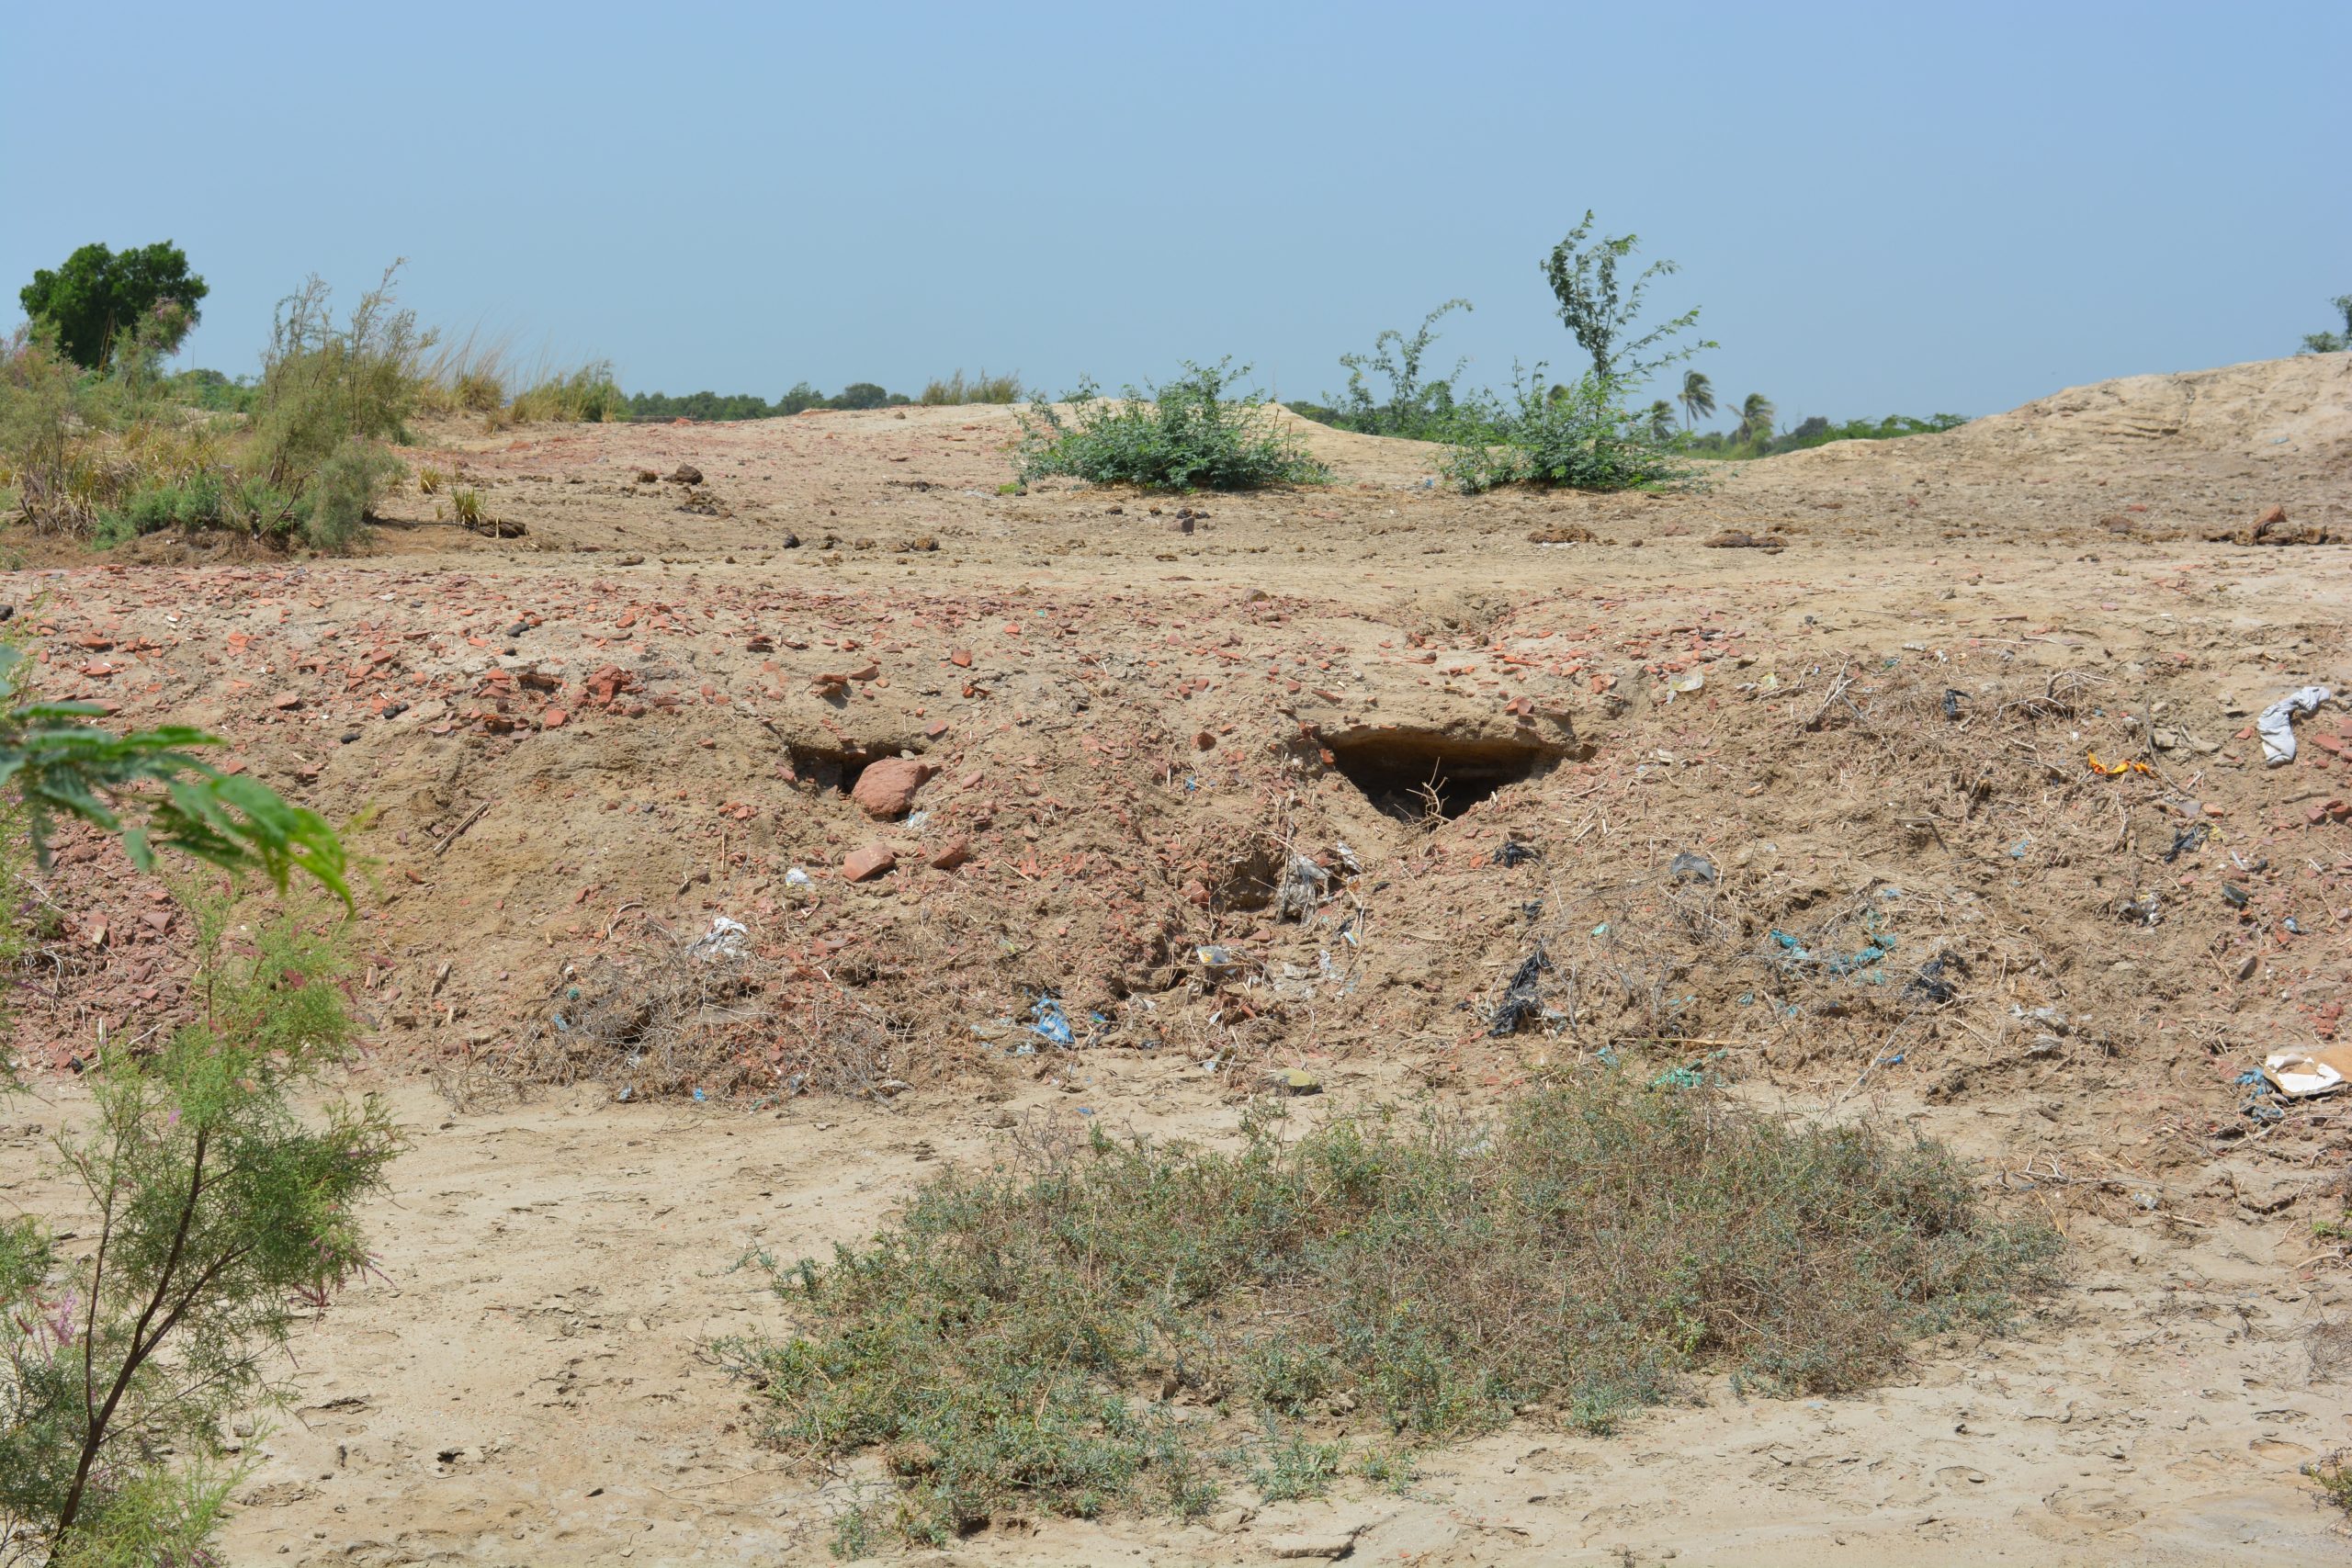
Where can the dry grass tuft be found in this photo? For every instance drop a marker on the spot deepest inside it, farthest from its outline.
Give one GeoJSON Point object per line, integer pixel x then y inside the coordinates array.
{"type": "Point", "coordinates": [1032, 1338]}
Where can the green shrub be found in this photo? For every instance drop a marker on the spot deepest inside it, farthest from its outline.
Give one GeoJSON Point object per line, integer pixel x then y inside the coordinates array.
{"type": "Point", "coordinates": [1605, 316]}
{"type": "Point", "coordinates": [982, 388]}
{"type": "Point", "coordinates": [44, 434]}
{"type": "Point", "coordinates": [326, 385]}
{"type": "Point", "coordinates": [1185, 434]}
{"type": "Point", "coordinates": [344, 492]}
{"type": "Point", "coordinates": [1575, 435]}
{"type": "Point", "coordinates": [1011, 1342]}
{"type": "Point", "coordinates": [264, 510]}
{"type": "Point", "coordinates": [201, 502]}
{"type": "Point", "coordinates": [587, 396]}
{"type": "Point", "coordinates": [215, 392]}
{"type": "Point", "coordinates": [1412, 408]}
{"type": "Point", "coordinates": [2333, 342]}
{"type": "Point", "coordinates": [2334, 1474]}
{"type": "Point", "coordinates": [220, 1210]}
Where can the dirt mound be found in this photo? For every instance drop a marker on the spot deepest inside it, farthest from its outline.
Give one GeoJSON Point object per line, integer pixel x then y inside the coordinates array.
{"type": "Point", "coordinates": [2293, 412]}
{"type": "Point", "coordinates": [1414, 794]}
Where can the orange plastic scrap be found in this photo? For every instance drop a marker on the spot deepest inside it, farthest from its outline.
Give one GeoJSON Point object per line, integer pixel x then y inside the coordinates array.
{"type": "Point", "coordinates": [2111, 769]}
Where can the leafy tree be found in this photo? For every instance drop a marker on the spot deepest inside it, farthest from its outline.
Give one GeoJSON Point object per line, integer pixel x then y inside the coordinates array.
{"type": "Point", "coordinates": [866, 395]}
{"type": "Point", "coordinates": [1756, 415]}
{"type": "Point", "coordinates": [1698, 398]}
{"type": "Point", "coordinates": [1662, 421]}
{"type": "Point", "coordinates": [1603, 315]}
{"type": "Point", "coordinates": [2333, 343]}
{"type": "Point", "coordinates": [97, 296]}
{"type": "Point", "coordinates": [799, 400]}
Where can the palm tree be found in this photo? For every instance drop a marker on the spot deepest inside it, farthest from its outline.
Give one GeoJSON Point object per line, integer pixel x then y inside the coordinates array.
{"type": "Point", "coordinates": [1661, 417]}
{"type": "Point", "coordinates": [1698, 397]}
{"type": "Point", "coordinates": [1756, 417]}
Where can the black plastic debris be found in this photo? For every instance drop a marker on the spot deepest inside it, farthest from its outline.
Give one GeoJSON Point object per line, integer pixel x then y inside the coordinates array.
{"type": "Point", "coordinates": [2188, 841]}
{"type": "Point", "coordinates": [1688, 867]}
{"type": "Point", "coordinates": [1953, 697]}
{"type": "Point", "coordinates": [1512, 852]}
{"type": "Point", "coordinates": [1932, 983]}
{"type": "Point", "coordinates": [1523, 998]}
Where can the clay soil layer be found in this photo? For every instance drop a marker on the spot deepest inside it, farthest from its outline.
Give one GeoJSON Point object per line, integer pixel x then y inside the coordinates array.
{"type": "Point", "coordinates": [570, 748]}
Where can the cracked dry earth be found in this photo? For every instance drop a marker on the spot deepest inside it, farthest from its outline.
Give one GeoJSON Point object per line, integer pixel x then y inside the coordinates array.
{"type": "Point", "coordinates": [580, 743]}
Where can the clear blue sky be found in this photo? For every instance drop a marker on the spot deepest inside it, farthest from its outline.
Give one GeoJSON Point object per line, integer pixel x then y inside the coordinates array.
{"type": "Point", "coordinates": [1881, 207]}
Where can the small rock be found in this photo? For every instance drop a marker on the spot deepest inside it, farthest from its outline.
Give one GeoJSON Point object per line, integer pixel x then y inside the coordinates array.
{"type": "Point", "coordinates": [950, 855]}
{"type": "Point", "coordinates": [886, 788]}
{"type": "Point", "coordinates": [859, 865]}
{"type": "Point", "coordinates": [554, 718]}
{"type": "Point", "coordinates": [1330, 1548]}
{"type": "Point", "coordinates": [1294, 1081]}
{"type": "Point", "coordinates": [686, 474]}
{"type": "Point", "coordinates": [287, 702]}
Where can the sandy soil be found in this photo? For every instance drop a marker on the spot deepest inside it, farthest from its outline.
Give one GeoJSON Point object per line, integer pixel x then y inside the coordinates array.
{"type": "Point", "coordinates": [583, 742]}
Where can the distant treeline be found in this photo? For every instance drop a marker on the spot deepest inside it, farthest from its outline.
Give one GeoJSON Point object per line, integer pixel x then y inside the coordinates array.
{"type": "Point", "coordinates": [646, 407]}
{"type": "Point", "coordinates": [1816, 432]}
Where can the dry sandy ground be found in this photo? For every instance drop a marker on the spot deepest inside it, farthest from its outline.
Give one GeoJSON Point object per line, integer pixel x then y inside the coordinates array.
{"type": "Point", "coordinates": [1127, 720]}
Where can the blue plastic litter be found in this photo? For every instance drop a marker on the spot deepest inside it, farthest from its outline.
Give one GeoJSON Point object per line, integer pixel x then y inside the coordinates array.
{"type": "Point", "coordinates": [1861, 964]}
{"type": "Point", "coordinates": [560, 1026]}
{"type": "Point", "coordinates": [1050, 1023]}
{"type": "Point", "coordinates": [2258, 1103]}
{"type": "Point", "coordinates": [700, 1097]}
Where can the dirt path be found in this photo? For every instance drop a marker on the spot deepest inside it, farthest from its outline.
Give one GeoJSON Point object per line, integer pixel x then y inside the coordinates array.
{"type": "Point", "coordinates": [585, 743]}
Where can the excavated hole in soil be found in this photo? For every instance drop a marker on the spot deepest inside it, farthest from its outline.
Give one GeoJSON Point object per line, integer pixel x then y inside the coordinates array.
{"type": "Point", "coordinates": [831, 768]}
{"type": "Point", "coordinates": [1397, 771]}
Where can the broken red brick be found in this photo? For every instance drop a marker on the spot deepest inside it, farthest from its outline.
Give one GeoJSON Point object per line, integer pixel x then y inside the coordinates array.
{"type": "Point", "coordinates": [872, 861]}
